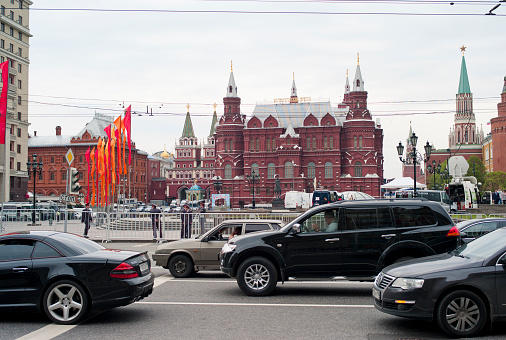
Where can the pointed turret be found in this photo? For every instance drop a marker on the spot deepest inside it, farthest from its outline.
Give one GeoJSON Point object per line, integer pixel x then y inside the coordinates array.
{"type": "Point", "coordinates": [231, 88]}
{"type": "Point", "coordinates": [188, 126]}
{"type": "Point", "coordinates": [358, 83]}
{"type": "Point", "coordinates": [293, 96]}
{"type": "Point", "coordinates": [346, 97]}
{"type": "Point", "coordinates": [464, 81]}
{"type": "Point", "coordinates": [214, 121]}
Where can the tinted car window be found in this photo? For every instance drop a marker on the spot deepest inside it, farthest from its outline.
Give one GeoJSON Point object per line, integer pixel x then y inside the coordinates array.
{"type": "Point", "coordinates": [78, 244]}
{"type": "Point", "coordinates": [256, 227]}
{"type": "Point", "coordinates": [412, 216]}
{"type": "Point", "coordinates": [323, 221]}
{"type": "Point", "coordinates": [368, 218]}
{"type": "Point", "coordinates": [480, 229]}
{"type": "Point", "coordinates": [16, 249]}
{"type": "Point", "coordinates": [43, 250]}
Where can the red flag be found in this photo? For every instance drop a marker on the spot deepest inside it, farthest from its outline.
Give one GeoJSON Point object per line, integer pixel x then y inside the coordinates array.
{"type": "Point", "coordinates": [108, 131]}
{"type": "Point", "coordinates": [4, 67]}
{"type": "Point", "coordinates": [87, 155]}
{"type": "Point", "coordinates": [128, 125]}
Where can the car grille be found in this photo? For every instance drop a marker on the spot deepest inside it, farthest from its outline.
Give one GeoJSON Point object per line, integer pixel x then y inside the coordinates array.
{"type": "Point", "coordinates": [382, 280]}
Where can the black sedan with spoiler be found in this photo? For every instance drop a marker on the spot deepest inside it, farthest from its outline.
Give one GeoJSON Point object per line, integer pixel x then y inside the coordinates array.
{"type": "Point", "coordinates": [65, 275]}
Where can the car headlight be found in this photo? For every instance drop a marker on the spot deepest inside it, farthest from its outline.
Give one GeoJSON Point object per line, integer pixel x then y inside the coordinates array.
{"type": "Point", "coordinates": [405, 283]}
{"type": "Point", "coordinates": [228, 247]}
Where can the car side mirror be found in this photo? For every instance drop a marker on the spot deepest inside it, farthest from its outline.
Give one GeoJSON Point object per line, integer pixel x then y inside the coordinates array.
{"type": "Point", "coordinates": [296, 228]}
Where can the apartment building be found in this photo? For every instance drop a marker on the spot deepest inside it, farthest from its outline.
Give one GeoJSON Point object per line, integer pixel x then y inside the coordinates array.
{"type": "Point", "coordinates": [14, 47]}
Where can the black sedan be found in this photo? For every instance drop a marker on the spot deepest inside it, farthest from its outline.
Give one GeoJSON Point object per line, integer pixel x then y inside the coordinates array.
{"type": "Point", "coordinates": [471, 229]}
{"type": "Point", "coordinates": [462, 290]}
{"type": "Point", "coordinates": [66, 275]}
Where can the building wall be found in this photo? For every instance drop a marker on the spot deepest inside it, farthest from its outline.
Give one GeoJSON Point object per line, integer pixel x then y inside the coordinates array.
{"type": "Point", "coordinates": [498, 129]}
{"type": "Point", "coordinates": [14, 47]}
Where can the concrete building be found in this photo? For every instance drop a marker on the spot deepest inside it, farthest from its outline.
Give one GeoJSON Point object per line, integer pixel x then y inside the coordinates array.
{"type": "Point", "coordinates": [14, 47]}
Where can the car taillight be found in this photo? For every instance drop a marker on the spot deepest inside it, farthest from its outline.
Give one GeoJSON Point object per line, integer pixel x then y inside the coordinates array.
{"type": "Point", "coordinates": [454, 231]}
{"type": "Point", "coordinates": [124, 271]}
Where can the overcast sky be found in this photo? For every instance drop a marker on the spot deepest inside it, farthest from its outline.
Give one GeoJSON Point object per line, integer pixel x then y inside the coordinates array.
{"type": "Point", "coordinates": [179, 52]}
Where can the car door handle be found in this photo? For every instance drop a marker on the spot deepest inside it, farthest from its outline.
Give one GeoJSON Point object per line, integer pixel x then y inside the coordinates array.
{"type": "Point", "coordinates": [387, 236]}
{"type": "Point", "coordinates": [19, 269]}
{"type": "Point", "coordinates": [332, 239]}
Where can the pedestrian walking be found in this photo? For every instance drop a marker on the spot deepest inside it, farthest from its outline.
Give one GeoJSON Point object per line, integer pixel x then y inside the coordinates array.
{"type": "Point", "coordinates": [186, 222]}
{"type": "Point", "coordinates": [202, 218]}
{"type": "Point", "coordinates": [86, 218]}
{"type": "Point", "coordinates": [155, 221]}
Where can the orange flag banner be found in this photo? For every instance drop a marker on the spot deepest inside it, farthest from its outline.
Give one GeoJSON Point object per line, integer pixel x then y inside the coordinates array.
{"type": "Point", "coordinates": [92, 157]}
{"type": "Point", "coordinates": [113, 162]}
{"type": "Point", "coordinates": [103, 175]}
{"type": "Point", "coordinates": [107, 162]}
{"type": "Point", "coordinates": [118, 123]}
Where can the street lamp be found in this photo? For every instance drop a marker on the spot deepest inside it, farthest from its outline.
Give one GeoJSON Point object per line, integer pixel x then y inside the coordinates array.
{"type": "Point", "coordinates": [35, 168]}
{"type": "Point", "coordinates": [415, 156]}
{"type": "Point", "coordinates": [433, 169]}
{"type": "Point", "coordinates": [218, 184]}
{"type": "Point", "coordinates": [252, 179]}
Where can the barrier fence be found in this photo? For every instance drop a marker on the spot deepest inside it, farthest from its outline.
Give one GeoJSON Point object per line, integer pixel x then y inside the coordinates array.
{"type": "Point", "coordinates": [116, 226]}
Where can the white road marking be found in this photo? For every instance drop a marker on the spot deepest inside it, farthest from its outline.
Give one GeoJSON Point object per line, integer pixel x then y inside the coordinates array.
{"type": "Point", "coordinates": [47, 332]}
{"type": "Point", "coordinates": [162, 279]}
{"type": "Point", "coordinates": [252, 304]}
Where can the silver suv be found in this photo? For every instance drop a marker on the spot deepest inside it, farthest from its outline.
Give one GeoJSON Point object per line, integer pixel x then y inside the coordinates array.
{"type": "Point", "coordinates": [184, 257]}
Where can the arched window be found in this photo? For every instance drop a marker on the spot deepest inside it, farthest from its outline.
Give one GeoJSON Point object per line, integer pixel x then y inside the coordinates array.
{"type": "Point", "coordinates": [258, 144]}
{"type": "Point", "coordinates": [288, 170]}
{"type": "Point", "coordinates": [273, 144]}
{"type": "Point", "coordinates": [325, 143]}
{"type": "Point", "coordinates": [308, 143]}
{"type": "Point", "coordinates": [328, 170]}
{"type": "Point", "coordinates": [354, 143]}
{"type": "Point", "coordinates": [458, 137]}
{"type": "Point", "coordinates": [360, 143]}
{"type": "Point", "coordinates": [287, 140]}
{"type": "Point", "coordinates": [252, 146]}
{"type": "Point", "coordinates": [228, 171]}
{"type": "Point", "coordinates": [271, 170]}
{"type": "Point", "coordinates": [255, 168]}
{"type": "Point", "coordinates": [231, 146]}
{"type": "Point", "coordinates": [466, 137]}
{"type": "Point", "coordinates": [311, 170]}
{"type": "Point", "coordinates": [314, 143]}
{"type": "Point", "coordinates": [358, 169]}
{"type": "Point", "coordinates": [331, 143]}
{"type": "Point", "coordinates": [268, 145]}
{"type": "Point", "coordinates": [226, 146]}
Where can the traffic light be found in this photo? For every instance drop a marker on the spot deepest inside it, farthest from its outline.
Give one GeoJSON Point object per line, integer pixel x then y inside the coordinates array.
{"type": "Point", "coordinates": [74, 186]}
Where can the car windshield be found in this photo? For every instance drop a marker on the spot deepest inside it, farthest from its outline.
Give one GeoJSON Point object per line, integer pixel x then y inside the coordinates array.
{"type": "Point", "coordinates": [484, 247]}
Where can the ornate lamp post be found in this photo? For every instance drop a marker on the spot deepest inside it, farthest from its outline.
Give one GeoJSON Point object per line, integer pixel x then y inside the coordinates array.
{"type": "Point", "coordinates": [32, 166]}
{"type": "Point", "coordinates": [415, 156]}
{"type": "Point", "coordinates": [218, 184]}
{"type": "Point", "coordinates": [433, 169]}
{"type": "Point", "coordinates": [252, 179]}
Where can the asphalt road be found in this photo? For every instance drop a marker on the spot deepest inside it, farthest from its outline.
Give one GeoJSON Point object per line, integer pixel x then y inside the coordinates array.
{"type": "Point", "coordinates": [211, 306]}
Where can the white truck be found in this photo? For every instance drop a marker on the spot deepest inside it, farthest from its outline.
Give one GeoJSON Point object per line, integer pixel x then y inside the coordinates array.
{"type": "Point", "coordinates": [298, 200]}
{"type": "Point", "coordinates": [464, 192]}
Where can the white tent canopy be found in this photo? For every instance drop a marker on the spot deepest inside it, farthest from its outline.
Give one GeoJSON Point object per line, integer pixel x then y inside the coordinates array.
{"type": "Point", "coordinates": [402, 183]}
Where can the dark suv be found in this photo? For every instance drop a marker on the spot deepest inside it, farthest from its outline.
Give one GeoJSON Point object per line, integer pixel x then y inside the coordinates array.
{"type": "Point", "coordinates": [350, 239]}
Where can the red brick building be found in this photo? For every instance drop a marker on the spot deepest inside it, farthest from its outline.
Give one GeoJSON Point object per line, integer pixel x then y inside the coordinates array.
{"type": "Point", "coordinates": [51, 150]}
{"type": "Point", "coordinates": [498, 127]}
{"type": "Point", "coordinates": [304, 143]}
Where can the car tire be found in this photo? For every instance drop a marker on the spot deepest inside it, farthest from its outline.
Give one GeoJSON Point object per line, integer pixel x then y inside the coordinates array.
{"type": "Point", "coordinates": [65, 302]}
{"type": "Point", "coordinates": [181, 266]}
{"type": "Point", "coordinates": [461, 314]}
{"type": "Point", "coordinates": [257, 276]}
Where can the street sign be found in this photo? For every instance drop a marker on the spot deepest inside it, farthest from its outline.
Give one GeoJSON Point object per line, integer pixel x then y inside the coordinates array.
{"type": "Point", "coordinates": [69, 156]}
{"type": "Point", "coordinates": [67, 198]}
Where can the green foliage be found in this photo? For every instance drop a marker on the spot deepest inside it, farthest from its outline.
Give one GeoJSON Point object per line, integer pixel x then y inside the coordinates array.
{"type": "Point", "coordinates": [440, 178]}
{"type": "Point", "coordinates": [494, 180]}
{"type": "Point", "coordinates": [476, 169]}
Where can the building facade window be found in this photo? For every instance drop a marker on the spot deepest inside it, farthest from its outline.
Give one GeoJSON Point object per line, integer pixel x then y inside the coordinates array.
{"type": "Point", "coordinates": [354, 143]}
{"type": "Point", "coordinates": [255, 168]}
{"type": "Point", "coordinates": [271, 170]}
{"type": "Point", "coordinates": [325, 143]}
{"type": "Point", "coordinates": [228, 171]}
{"type": "Point", "coordinates": [257, 144]}
{"type": "Point", "coordinates": [311, 170]}
{"type": "Point", "coordinates": [331, 143]}
{"type": "Point", "coordinates": [288, 170]}
{"type": "Point", "coordinates": [358, 169]}
{"type": "Point", "coordinates": [328, 170]}
{"type": "Point", "coordinates": [360, 143]}
{"type": "Point", "coordinates": [308, 143]}
{"type": "Point", "coordinates": [314, 143]}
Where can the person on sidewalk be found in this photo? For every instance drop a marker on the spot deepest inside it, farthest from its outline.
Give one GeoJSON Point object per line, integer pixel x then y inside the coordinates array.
{"type": "Point", "coordinates": [86, 218]}
{"type": "Point", "coordinates": [202, 218]}
{"type": "Point", "coordinates": [155, 220]}
{"type": "Point", "coordinates": [186, 222]}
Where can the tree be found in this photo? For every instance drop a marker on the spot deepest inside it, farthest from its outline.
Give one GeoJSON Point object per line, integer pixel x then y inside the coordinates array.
{"type": "Point", "coordinates": [495, 180]}
{"type": "Point", "coordinates": [476, 169]}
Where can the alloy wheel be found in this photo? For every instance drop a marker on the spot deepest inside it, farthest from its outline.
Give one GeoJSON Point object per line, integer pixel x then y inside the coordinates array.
{"type": "Point", "coordinates": [65, 302]}
{"type": "Point", "coordinates": [256, 276]}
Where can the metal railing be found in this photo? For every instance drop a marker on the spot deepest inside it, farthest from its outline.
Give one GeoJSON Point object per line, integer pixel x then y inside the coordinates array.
{"type": "Point", "coordinates": [115, 226]}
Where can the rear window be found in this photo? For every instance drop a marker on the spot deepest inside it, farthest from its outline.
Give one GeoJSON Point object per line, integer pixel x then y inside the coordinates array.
{"type": "Point", "coordinates": [77, 243]}
{"type": "Point", "coordinates": [414, 216]}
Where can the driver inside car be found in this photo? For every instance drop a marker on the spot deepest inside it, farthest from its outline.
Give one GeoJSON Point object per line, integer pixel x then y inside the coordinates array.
{"type": "Point", "coordinates": [330, 220]}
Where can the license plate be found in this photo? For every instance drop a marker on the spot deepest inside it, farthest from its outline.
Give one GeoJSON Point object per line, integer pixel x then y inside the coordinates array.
{"type": "Point", "coordinates": [376, 294]}
{"type": "Point", "coordinates": [144, 267]}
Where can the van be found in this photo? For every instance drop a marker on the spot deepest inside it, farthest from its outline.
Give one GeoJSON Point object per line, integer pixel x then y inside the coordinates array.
{"type": "Point", "coordinates": [438, 196]}
{"type": "Point", "coordinates": [324, 197]}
